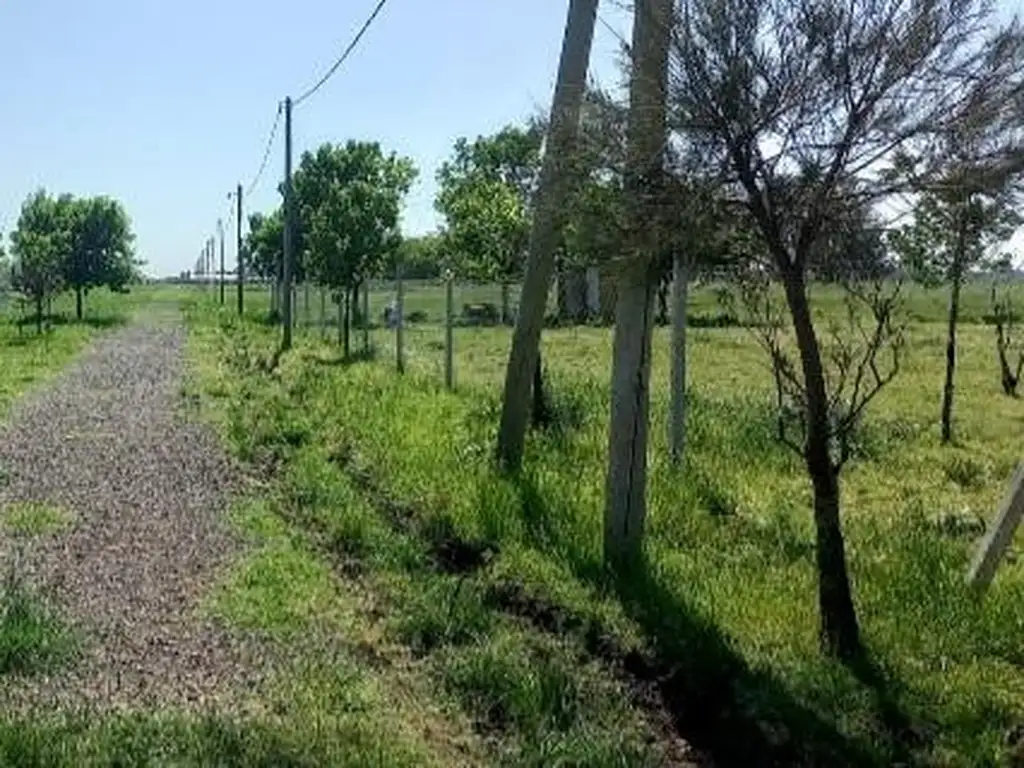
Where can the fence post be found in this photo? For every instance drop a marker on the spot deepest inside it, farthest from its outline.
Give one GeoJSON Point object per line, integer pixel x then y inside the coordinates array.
{"type": "Point", "coordinates": [341, 316]}
{"type": "Point", "coordinates": [999, 535]}
{"type": "Point", "coordinates": [400, 320]}
{"type": "Point", "coordinates": [323, 313]}
{"type": "Point", "coordinates": [449, 374]}
{"type": "Point", "coordinates": [305, 304]}
{"type": "Point", "coordinates": [366, 315]}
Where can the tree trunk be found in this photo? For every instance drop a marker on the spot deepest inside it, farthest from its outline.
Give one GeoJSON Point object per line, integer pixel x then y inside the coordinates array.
{"type": "Point", "coordinates": [347, 298]}
{"type": "Point", "coordinates": [78, 302]}
{"type": "Point", "coordinates": [341, 320]}
{"type": "Point", "coordinates": [607, 295]}
{"type": "Point", "coordinates": [39, 314]}
{"type": "Point", "coordinates": [572, 294]}
{"type": "Point", "coordinates": [593, 278]}
{"type": "Point", "coordinates": [506, 312]}
{"type": "Point", "coordinates": [839, 632]}
{"type": "Point", "coordinates": [952, 320]}
{"type": "Point", "coordinates": [677, 416]}
{"type": "Point", "coordinates": [625, 500]}
{"type": "Point", "coordinates": [366, 316]}
{"type": "Point", "coordinates": [552, 194]}
{"type": "Point", "coordinates": [323, 313]}
{"type": "Point", "coordinates": [663, 289]}
{"type": "Point", "coordinates": [541, 412]}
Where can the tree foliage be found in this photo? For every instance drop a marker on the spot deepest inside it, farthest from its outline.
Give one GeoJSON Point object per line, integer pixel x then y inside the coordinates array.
{"type": "Point", "coordinates": [349, 200]}
{"type": "Point", "coordinates": [102, 247]}
{"type": "Point", "coordinates": [264, 244]}
{"type": "Point", "coordinates": [67, 242]}
{"type": "Point", "coordinates": [420, 258]}
{"type": "Point", "coordinates": [39, 244]}
{"type": "Point", "coordinates": [485, 192]}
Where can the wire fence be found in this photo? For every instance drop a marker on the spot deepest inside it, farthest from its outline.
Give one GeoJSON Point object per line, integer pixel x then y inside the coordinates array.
{"type": "Point", "coordinates": [415, 326]}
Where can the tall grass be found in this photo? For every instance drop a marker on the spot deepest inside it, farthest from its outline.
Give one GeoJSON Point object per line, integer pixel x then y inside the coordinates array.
{"type": "Point", "coordinates": [395, 473]}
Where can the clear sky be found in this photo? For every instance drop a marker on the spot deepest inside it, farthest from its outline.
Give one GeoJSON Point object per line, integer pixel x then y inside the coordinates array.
{"type": "Point", "coordinates": [167, 105]}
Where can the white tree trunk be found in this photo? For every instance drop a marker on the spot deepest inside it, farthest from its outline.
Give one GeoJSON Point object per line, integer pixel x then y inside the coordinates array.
{"type": "Point", "coordinates": [679, 402]}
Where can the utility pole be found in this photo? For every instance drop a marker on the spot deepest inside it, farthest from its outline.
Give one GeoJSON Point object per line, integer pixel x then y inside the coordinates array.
{"type": "Point", "coordinates": [548, 220]}
{"type": "Point", "coordinates": [286, 268]}
{"type": "Point", "coordinates": [220, 231]}
{"type": "Point", "coordinates": [241, 262]}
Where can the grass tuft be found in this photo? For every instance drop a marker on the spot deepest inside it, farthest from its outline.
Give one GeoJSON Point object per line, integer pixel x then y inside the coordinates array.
{"type": "Point", "coordinates": [32, 639]}
{"type": "Point", "coordinates": [35, 518]}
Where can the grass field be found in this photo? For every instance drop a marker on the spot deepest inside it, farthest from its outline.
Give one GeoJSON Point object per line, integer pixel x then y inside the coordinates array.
{"type": "Point", "coordinates": [495, 586]}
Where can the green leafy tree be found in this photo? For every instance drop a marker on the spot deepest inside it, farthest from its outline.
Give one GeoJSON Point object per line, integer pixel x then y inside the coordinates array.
{"type": "Point", "coordinates": [40, 242]}
{"type": "Point", "coordinates": [264, 244]}
{"type": "Point", "coordinates": [420, 258]}
{"type": "Point", "coordinates": [101, 249]}
{"type": "Point", "coordinates": [484, 194]}
{"type": "Point", "coordinates": [349, 200]}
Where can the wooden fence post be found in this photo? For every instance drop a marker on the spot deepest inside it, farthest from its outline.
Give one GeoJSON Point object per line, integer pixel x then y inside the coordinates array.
{"type": "Point", "coordinates": [341, 317]}
{"type": "Point", "coordinates": [999, 535]}
{"type": "Point", "coordinates": [366, 316]}
{"type": "Point", "coordinates": [449, 374]}
{"type": "Point", "coordinates": [307, 317]}
{"type": "Point", "coordinates": [323, 312]}
{"type": "Point", "coordinates": [400, 320]}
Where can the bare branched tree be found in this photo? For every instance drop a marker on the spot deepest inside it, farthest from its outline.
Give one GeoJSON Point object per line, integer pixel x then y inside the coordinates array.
{"type": "Point", "coordinates": [1005, 317]}
{"type": "Point", "coordinates": [810, 107]}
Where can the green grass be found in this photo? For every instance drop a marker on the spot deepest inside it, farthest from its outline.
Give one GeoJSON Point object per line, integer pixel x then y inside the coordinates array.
{"type": "Point", "coordinates": [171, 739]}
{"type": "Point", "coordinates": [33, 639]}
{"type": "Point", "coordinates": [34, 518]}
{"type": "Point", "coordinates": [394, 474]}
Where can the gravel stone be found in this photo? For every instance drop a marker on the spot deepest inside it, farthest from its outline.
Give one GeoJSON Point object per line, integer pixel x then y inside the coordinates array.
{"type": "Point", "coordinates": [104, 440]}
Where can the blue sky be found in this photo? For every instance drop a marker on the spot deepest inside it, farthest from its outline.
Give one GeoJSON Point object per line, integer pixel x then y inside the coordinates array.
{"type": "Point", "coordinates": [167, 105]}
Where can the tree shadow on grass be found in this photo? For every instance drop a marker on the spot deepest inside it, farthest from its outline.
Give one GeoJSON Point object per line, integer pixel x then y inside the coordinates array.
{"type": "Point", "coordinates": [361, 355]}
{"type": "Point", "coordinates": [100, 322]}
{"type": "Point", "coordinates": [720, 705]}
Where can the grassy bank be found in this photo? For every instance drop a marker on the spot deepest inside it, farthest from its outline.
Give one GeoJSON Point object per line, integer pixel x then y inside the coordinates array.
{"type": "Point", "coordinates": [496, 584]}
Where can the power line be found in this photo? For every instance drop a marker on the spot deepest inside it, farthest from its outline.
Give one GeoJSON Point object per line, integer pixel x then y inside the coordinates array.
{"type": "Point", "coordinates": [344, 55]}
{"type": "Point", "coordinates": [266, 152]}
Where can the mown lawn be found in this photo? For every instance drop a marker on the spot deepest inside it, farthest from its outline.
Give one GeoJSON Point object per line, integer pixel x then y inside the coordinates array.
{"type": "Point", "coordinates": [496, 584]}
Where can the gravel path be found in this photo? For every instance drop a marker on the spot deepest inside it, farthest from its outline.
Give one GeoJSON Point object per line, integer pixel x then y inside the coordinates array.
{"type": "Point", "coordinates": [104, 441]}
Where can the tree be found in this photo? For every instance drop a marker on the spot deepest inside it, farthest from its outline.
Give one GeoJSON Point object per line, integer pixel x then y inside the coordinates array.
{"type": "Point", "coordinates": [349, 199]}
{"type": "Point", "coordinates": [101, 248]}
{"type": "Point", "coordinates": [958, 218]}
{"type": "Point", "coordinates": [420, 258]}
{"type": "Point", "coordinates": [40, 241]}
{"type": "Point", "coordinates": [484, 194]}
{"type": "Point", "coordinates": [264, 245]}
{"type": "Point", "coordinates": [806, 107]}
{"type": "Point", "coordinates": [548, 219]}
{"type": "Point", "coordinates": [1006, 317]}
